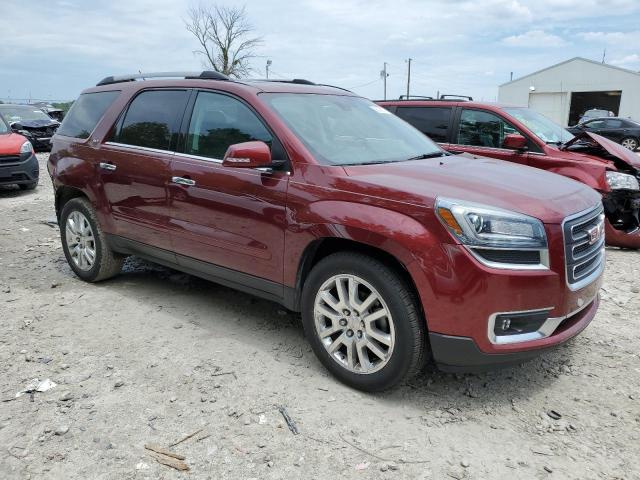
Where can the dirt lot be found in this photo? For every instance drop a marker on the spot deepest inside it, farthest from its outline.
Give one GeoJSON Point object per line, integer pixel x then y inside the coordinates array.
{"type": "Point", "coordinates": [154, 356]}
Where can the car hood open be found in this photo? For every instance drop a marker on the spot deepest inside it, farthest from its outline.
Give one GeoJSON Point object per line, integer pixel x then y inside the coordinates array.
{"type": "Point", "coordinates": [616, 150]}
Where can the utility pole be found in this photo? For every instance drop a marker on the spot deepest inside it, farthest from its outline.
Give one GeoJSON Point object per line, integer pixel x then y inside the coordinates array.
{"type": "Point", "coordinates": [604, 54]}
{"type": "Point", "coordinates": [384, 76]}
{"type": "Point", "coordinates": [408, 77]}
{"type": "Point", "coordinates": [268, 65]}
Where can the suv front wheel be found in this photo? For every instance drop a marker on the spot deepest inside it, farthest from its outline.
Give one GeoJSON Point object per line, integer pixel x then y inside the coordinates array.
{"type": "Point", "coordinates": [84, 243]}
{"type": "Point", "coordinates": [363, 321]}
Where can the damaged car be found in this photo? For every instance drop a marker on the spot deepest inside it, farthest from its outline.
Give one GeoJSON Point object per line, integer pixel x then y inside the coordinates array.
{"type": "Point", "coordinates": [31, 122]}
{"type": "Point", "coordinates": [522, 135]}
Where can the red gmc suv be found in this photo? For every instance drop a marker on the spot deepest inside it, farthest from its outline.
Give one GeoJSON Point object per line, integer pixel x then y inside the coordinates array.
{"type": "Point", "coordinates": [521, 135]}
{"type": "Point", "coordinates": [308, 195]}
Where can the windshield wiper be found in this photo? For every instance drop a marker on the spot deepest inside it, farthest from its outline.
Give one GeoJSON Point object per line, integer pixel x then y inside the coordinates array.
{"type": "Point", "coordinates": [427, 155]}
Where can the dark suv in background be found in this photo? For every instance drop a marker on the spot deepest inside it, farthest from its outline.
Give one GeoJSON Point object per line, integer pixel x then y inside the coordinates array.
{"type": "Point", "coordinates": [308, 195]}
{"type": "Point", "coordinates": [523, 136]}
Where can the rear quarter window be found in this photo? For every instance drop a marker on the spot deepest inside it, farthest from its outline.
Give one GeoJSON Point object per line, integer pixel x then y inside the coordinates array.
{"type": "Point", "coordinates": [432, 121]}
{"type": "Point", "coordinates": [85, 113]}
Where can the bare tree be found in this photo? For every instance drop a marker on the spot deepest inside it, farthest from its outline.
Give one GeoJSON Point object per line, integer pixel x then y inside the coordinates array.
{"type": "Point", "coordinates": [224, 34]}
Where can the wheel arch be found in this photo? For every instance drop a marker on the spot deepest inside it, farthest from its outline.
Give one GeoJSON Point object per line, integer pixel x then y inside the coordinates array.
{"type": "Point", "coordinates": [322, 247]}
{"type": "Point", "coordinates": [64, 194]}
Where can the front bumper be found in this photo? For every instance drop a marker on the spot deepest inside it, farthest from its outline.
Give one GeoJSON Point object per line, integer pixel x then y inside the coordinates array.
{"type": "Point", "coordinates": [463, 299]}
{"type": "Point", "coordinates": [19, 173]}
{"type": "Point", "coordinates": [462, 355]}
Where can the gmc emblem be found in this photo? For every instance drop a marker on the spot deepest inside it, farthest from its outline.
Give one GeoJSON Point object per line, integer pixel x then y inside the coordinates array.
{"type": "Point", "coordinates": [595, 233]}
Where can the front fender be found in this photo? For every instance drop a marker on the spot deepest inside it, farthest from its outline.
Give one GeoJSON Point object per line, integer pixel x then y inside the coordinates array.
{"type": "Point", "coordinates": [421, 247]}
{"type": "Point", "coordinates": [592, 177]}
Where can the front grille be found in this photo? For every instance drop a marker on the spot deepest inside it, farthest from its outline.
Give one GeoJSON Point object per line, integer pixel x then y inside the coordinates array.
{"type": "Point", "coordinates": [584, 246]}
{"type": "Point", "coordinates": [6, 159]}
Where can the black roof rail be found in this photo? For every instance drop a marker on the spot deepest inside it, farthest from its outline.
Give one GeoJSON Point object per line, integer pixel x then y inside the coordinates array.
{"type": "Point", "coordinates": [206, 74]}
{"type": "Point", "coordinates": [455, 97]}
{"type": "Point", "coordinates": [409, 97]}
{"type": "Point", "coordinates": [300, 81]}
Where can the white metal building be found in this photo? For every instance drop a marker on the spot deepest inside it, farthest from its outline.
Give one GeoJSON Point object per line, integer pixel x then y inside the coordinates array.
{"type": "Point", "coordinates": [563, 92]}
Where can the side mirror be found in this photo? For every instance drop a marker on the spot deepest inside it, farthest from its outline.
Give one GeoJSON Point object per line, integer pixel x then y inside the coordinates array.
{"type": "Point", "coordinates": [248, 155]}
{"type": "Point", "coordinates": [514, 141]}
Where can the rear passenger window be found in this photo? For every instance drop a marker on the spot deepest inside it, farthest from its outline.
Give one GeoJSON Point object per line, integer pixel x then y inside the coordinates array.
{"type": "Point", "coordinates": [432, 121]}
{"type": "Point", "coordinates": [483, 129]}
{"type": "Point", "coordinates": [85, 113]}
{"type": "Point", "coordinates": [219, 121]}
{"type": "Point", "coordinates": [152, 119]}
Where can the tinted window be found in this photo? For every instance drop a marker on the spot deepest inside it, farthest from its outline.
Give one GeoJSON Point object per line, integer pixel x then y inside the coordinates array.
{"type": "Point", "coordinates": [432, 121]}
{"type": "Point", "coordinates": [3, 126]}
{"type": "Point", "coordinates": [219, 121]}
{"type": "Point", "coordinates": [153, 119]}
{"type": "Point", "coordinates": [483, 129]}
{"type": "Point", "coordinates": [595, 124]}
{"type": "Point", "coordinates": [613, 123]}
{"type": "Point", "coordinates": [85, 114]}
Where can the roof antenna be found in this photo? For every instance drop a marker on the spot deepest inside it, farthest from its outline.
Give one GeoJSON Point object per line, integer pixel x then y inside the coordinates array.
{"type": "Point", "coordinates": [604, 54]}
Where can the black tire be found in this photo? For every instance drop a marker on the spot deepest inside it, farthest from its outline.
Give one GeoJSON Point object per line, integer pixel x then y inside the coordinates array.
{"type": "Point", "coordinates": [631, 141]}
{"type": "Point", "coordinates": [107, 263]}
{"type": "Point", "coordinates": [410, 349]}
{"type": "Point", "coordinates": [28, 186]}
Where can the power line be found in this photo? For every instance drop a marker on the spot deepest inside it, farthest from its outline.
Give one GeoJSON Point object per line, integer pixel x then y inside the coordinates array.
{"type": "Point", "coordinates": [365, 84]}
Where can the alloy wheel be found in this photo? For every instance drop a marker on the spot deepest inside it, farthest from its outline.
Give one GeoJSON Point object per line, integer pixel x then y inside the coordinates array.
{"type": "Point", "coordinates": [80, 241]}
{"type": "Point", "coordinates": [354, 324]}
{"type": "Point", "coordinates": [630, 143]}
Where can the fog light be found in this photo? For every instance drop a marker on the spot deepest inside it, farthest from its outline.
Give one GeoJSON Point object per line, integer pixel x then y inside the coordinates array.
{"type": "Point", "coordinates": [519, 323]}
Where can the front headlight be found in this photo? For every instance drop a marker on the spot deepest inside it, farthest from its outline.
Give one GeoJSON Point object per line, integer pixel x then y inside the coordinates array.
{"type": "Point", "coordinates": [498, 238]}
{"type": "Point", "coordinates": [622, 181]}
{"type": "Point", "coordinates": [26, 150]}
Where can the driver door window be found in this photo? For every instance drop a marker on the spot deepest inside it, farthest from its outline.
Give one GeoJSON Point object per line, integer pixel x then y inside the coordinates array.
{"type": "Point", "coordinates": [219, 121]}
{"type": "Point", "coordinates": [483, 129]}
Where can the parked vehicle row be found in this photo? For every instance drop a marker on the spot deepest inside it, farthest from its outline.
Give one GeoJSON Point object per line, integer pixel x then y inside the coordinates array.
{"type": "Point", "coordinates": [521, 135]}
{"type": "Point", "coordinates": [18, 163]}
{"type": "Point", "coordinates": [31, 122]}
{"type": "Point", "coordinates": [393, 249]}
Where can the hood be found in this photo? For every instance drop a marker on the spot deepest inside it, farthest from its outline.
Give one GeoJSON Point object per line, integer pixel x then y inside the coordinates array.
{"type": "Point", "coordinates": [543, 195]}
{"type": "Point", "coordinates": [10, 143]}
{"type": "Point", "coordinates": [39, 123]}
{"type": "Point", "coordinates": [612, 148]}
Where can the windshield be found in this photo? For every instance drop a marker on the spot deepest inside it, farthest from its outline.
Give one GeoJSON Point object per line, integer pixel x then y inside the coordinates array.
{"type": "Point", "coordinates": [3, 126]}
{"type": "Point", "coordinates": [19, 113]}
{"type": "Point", "coordinates": [345, 130]}
{"type": "Point", "coordinates": [545, 129]}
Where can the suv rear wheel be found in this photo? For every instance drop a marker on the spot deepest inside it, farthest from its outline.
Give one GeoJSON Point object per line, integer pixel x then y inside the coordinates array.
{"type": "Point", "coordinates": [84, 243]}
{"type": "Point", "coordinates": [362, 321]}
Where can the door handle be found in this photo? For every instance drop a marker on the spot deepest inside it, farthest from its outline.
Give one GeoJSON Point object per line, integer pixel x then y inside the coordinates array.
{"type": "Point", "coordinates": [183, 181]}
{"type": "Point", "coordinates": [107, 166]}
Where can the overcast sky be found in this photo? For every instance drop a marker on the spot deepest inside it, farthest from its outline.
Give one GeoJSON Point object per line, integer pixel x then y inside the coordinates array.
{"type": "Point", "coordinates": [52, 49]}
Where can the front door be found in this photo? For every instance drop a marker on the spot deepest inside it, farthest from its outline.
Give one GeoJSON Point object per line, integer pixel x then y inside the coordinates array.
{"type": "Point", "coordinates": [480, 132]}
{"type": "Point", "coordinates": [135, 166]}
{"type": "Point", "coordinates": [227, 217]}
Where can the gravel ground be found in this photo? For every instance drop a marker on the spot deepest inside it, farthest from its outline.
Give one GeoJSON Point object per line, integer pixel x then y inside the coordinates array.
{"type": "Point", "coordinates": [153, 356]}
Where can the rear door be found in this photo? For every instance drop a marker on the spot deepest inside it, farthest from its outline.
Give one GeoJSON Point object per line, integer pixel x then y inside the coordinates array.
{"type": "Point", "coordinates": [480, 132]}
{"type": "Point", "coordinates": [435, 122]}
{"type": "Point", "coordinates": [135, 166]}
{"type": "Point", "coordinates": [227, 217]}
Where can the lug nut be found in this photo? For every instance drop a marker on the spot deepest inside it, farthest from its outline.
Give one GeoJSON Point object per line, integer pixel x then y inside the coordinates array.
{"type": "Point", "coordinates": [349, 333]}
{"type": "Point", "coordinates": [343, 323]}
{"type": "Point", "coordinates": [346, 313]}
{"type": "Point", "coordinates": [359, 333]}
